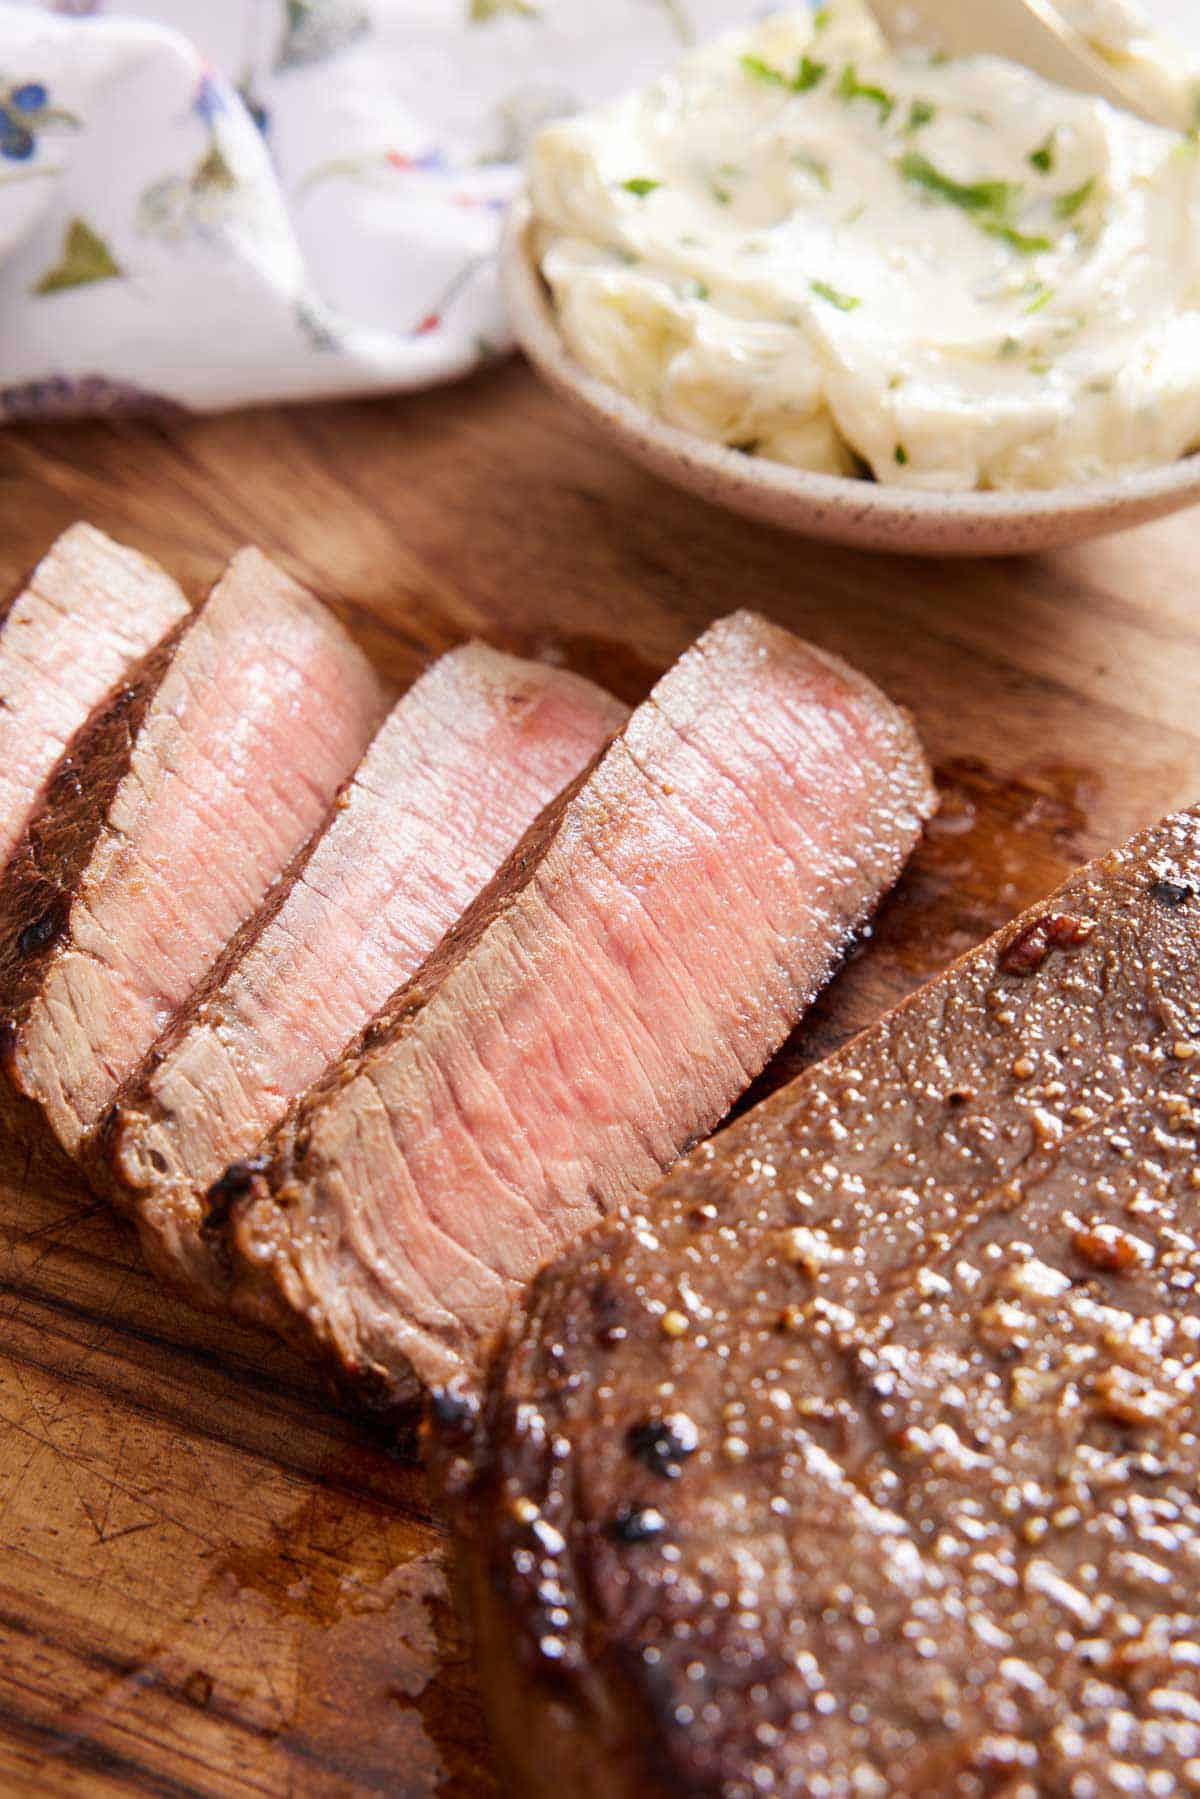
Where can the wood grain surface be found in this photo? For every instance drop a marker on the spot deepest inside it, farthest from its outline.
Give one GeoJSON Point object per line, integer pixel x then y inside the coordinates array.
{"type": "Point", "coordinates": [210, 1583]}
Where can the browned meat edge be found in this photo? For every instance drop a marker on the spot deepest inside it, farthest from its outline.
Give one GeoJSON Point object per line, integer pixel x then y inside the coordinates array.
{"type": "Point", "coordinates": [97, 1154]}
{"type": "Point", "coordinates": [591, 1737]}
{"type": "Point", "coordinates": [20, 587]}
{"type": "Point", "coordinates": [257, 1295]}
{"type": "Point", "coordinates": [38, 885]}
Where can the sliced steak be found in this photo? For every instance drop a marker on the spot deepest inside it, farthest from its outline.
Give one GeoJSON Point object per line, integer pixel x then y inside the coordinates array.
{"type": "Point", "coordinates": [266, 708]}
{"type": "Point", "coordinates": [862, 1458]}
{"type": "Point", "coordinates": [626, 976]}
{"type": "Point", "coordinates": [462, 767]}
{"type": "Point", "coordinates": [49, 858]}
{"type": "Point", "coordinates": [92, 612]}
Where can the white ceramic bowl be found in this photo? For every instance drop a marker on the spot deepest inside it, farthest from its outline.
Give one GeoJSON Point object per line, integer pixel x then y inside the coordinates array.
{"type": "Point", "coordinates": [832, 507]}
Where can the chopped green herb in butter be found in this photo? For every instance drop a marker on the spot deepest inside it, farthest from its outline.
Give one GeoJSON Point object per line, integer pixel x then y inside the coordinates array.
{"type": "Point", "coordinates": [1067, 205]}
{"type": "Point", "coordinates": [1042, 158]}
{"type": "Point", "coordinates": [809, 74]}
{"type": "Point", "coordinates": [834, 212]}
{"type": "Point", "coordinates": [972, 196]}
{"type": "Point", "coordinates": [814, 166]}
{"type": "Point", "coordinates": [849, 88]}
{"type": "Point", "coordinates": [1028, 243]}
{"type": "Point", "coordinates": [843, 302]}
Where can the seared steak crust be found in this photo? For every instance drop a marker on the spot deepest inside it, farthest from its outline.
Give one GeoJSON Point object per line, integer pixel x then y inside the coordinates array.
{"type": "Point", "coordinates": [53, 851]}
{"type": "Point", "coordinates": [861, 1457]}
{"type": "Point", "coordinates": [89, 614]}
{"type": "Point", "coordinates": [262, 713]}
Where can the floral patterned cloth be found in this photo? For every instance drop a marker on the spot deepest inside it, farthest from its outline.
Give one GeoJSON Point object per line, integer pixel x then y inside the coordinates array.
{"type": "Point", "coordinates": [209, 202]}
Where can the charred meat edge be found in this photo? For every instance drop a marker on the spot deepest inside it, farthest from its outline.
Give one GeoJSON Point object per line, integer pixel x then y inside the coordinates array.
{"type": "Point", "coordinates": [250, 1289]}
{"type": "Point", "coordinates": [97, 1156]}
{"type": "Point", "coordinates": [45, 869]}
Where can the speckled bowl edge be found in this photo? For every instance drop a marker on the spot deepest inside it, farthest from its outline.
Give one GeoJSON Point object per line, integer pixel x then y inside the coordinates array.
{"type": "Point", "coordinates": [831, 508]}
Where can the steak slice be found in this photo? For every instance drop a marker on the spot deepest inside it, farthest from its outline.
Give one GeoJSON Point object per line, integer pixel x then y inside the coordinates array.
{"type": "Point", "coordinates": [265, 709]}
{"type": "Point", "coordinates": [92, 612]}
{"type": "Point", "coordinates": [621, 982]}
{"type": "Point", "coordinates": [462, 767]}
{"type": "Point", "coordinates": [862, 1456]}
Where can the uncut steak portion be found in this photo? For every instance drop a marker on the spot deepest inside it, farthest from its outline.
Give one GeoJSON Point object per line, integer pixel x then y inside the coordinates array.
{"type": "Point", "coordinates": [863, 1458]}
{"type": "Point", "coordinates": [600, 1007]}
{"type": "Point", "coordinates": [265, 709]}
{"type": "Point", "coordinates": [463, 765]}
{"type": "Point", "coordinates": [92, 612]}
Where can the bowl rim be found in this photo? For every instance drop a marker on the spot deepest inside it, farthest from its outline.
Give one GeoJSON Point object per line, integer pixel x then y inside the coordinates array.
{"type": "Point", "coordinates": [841, 504]}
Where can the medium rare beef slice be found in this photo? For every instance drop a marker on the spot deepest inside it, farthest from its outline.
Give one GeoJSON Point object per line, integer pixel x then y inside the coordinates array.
{"type": "Point", "coordinates": [45, 867]}
{"type": "Point", "coordinates": [602, 1005]}
{"type": "Point", "coordinates": [464, 764]}
{"type": "Point", "coordinates": [92, 612]}
{"type": "Point", "coordinates": [266, 708]}
{"type": "Point", "coordinates": [863, 1458]}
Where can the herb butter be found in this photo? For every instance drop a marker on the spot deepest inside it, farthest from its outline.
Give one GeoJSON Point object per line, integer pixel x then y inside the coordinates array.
{"type": "Point", "coordinates": [1159, 72]}
{"type": "Point", "coordinates": [950, 274]}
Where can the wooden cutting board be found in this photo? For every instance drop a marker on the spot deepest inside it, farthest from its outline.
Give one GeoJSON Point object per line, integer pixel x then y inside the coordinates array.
{"type": "Point", "coordinates": [210, 1583]}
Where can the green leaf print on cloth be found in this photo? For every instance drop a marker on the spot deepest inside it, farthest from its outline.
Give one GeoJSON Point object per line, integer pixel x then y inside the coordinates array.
{"type": "Point", "coordinates": [213, 170]}
{"type": "Point", "coordinates": [85, 257]}
{"type": "Point", "coordinates": [247, 201]}
{"type": "Point", "coordinates": [203, 206]}
{"type": "Point", "coordinates": [315, 29]}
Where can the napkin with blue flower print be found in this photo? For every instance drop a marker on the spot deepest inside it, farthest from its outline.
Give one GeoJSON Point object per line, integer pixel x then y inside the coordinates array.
{"type": "Point", "coordinates": [205, 203]}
